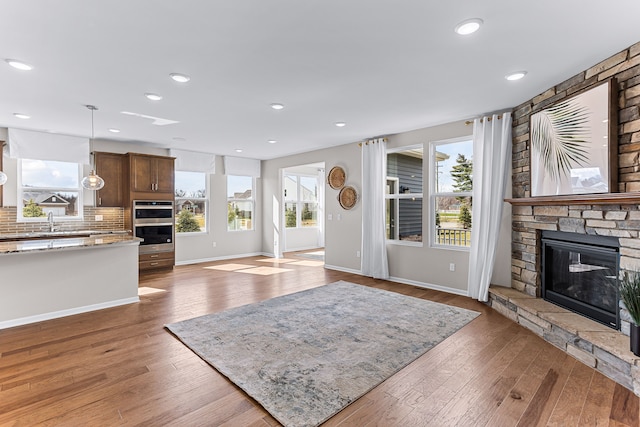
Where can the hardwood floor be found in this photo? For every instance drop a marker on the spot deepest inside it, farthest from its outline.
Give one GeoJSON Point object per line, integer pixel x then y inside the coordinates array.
{"type": "Point", "coordinates": [119, 366]}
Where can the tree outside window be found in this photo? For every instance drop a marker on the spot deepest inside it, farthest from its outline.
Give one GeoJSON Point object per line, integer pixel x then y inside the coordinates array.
{"type": "Point", "coordinates": [452, 186]}
{"type": "Point", "coordinates": [191, 202]}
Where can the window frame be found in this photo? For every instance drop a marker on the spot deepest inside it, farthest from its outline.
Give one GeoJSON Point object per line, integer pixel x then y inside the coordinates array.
{"type": "Point", "coordinates": [203, 199]}
{"type": "Point", "coordinates": [433, 193]}
{"type": "Point", "coordinates": [252, 200]}
{"type": "Point", "coordinates": [300, 201]}
{"type": "Point", "coordinates": [399, 196]}
{"type": "Point", "coordinates": [21, 190]}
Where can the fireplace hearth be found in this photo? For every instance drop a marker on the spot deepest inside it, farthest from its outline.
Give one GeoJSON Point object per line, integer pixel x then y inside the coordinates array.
{"type": "Point", "coordinates": [580, 273]}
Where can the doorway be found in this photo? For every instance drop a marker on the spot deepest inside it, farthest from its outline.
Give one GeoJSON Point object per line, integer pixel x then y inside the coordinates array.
{"type": "Point", "coordinates": [302, 212]}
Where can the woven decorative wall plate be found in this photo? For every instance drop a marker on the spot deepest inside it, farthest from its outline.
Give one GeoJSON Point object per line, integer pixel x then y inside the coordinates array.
{"type": "Point", "coordinates": [348, 197]}
{"type": "Point", "coordinates": [336, 177]}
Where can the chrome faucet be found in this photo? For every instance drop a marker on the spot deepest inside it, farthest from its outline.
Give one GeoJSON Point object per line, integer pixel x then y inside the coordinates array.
{"type": "Point", "coordinates": [52, 227]}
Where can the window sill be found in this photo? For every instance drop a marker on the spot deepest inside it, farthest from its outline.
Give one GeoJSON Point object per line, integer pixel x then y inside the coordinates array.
{"type": "Point", "coordinates": [404, 243]}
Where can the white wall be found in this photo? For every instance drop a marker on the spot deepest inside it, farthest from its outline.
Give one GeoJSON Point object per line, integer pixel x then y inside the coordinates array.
{"type": "Point", "coordinates": [424, 265]}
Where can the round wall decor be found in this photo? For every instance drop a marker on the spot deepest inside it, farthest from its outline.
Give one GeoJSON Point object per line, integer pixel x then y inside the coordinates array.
{"type": "Point", "coordinates": [336, 177]}
{"type": "Point", "coordinates": [348, 197]}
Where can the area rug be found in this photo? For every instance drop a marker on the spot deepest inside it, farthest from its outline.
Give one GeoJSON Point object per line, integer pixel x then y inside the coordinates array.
{"type": "Point", "coordinates": [307, 355]}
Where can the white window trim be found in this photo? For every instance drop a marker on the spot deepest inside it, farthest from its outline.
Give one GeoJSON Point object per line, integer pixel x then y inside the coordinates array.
{"type": "Point", "coordinates": [79, 201]}
{"type": "Point", "coordinates": [252, 200]}
{"type": "Point", "coordinates": [433, 194]}
{"type": "Point", "coordinates": [207, 214]}
{"type": "Point", "coordinates": [399, 196]}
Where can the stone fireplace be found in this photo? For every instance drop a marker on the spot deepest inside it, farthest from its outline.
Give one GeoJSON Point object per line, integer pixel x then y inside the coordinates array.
{"type": "Point", "coordinates": [612, 216]}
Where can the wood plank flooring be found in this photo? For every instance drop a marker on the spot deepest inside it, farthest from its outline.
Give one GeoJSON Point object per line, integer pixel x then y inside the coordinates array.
{"type": "Point", "coordinates": [119, 366]}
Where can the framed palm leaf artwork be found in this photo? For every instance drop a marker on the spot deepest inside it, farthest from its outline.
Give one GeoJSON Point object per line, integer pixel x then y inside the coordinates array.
{"type": "Point", "coordinates": [574, 144]}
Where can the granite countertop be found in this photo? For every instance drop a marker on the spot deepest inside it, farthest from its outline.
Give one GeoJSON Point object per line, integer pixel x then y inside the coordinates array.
{"type": "Point", "coordinates": [57, 234]}
{"type": "Point", "coordinates": [39, 245]}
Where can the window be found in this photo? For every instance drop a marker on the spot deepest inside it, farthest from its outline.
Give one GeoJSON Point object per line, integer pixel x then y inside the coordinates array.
{"type": "Point", "coordinates": [404, 195]}
{"type": "Point", "coordinates": [239, 202]}
{"type": "Point", "coordinates": [451, 190]}
{"type": "Point", "coordinates": [49, 186]}
{"type": "Point", "coordinates": [191, 202]}
{"type": "Point", "coordinates": [301, 201]}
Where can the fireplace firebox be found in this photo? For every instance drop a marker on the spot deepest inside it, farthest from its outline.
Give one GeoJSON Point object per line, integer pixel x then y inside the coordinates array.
{"type": "Point", "coordinates": [580, 273]}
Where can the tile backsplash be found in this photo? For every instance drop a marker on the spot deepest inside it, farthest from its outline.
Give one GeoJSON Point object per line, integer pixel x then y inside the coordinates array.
{"type": "Point", "coordinates": [112, 219]}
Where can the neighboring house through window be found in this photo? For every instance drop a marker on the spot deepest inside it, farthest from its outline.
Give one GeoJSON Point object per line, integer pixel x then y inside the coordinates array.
{"type": "Point", "coordinates": [240, 202]}
{"type": "Point", "coordinates": [301, 200]}
{"type": "Point", "coordinates": [451, 191]}
{"type": "Point", "coordinates": [191, 202]}
{"type": "Point", "coordinates": [46, 186]}
{"type": "Point", "coordinates": [404, 195]}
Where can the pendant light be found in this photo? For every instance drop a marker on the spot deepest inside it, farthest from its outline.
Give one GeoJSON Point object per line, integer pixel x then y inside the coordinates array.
{"type": "Point", "coordinates": [93, 181]}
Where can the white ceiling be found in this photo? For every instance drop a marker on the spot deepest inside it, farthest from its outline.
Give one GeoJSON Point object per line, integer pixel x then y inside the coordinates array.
{"type": "Point", "coordinates": [382, 67]}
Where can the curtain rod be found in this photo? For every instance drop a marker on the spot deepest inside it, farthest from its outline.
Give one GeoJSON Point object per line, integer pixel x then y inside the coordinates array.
{"type": "Point", "coordinates": [470, 122]}
{"type": "Point", "coordinates": [371, 141]}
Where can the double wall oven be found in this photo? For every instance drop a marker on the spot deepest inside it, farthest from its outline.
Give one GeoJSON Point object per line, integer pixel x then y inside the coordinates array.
{"type": "Point", "coordinates": [153, 222]}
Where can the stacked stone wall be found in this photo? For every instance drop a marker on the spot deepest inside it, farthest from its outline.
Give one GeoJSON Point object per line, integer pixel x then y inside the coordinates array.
{"type": "Point", "coordinates": [622, 221]}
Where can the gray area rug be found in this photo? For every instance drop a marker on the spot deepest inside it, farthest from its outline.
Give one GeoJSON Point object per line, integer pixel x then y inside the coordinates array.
{"type": "Point", "coordinates": [306, 356]}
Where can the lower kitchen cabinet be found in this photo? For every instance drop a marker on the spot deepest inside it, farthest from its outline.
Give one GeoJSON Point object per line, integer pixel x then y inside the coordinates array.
{"type": "Point", "coordinates": [156, 260]}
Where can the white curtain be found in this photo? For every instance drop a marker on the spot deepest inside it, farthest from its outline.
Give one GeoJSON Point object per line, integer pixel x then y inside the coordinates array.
{"type": "Point", "coordinates": [491, 155]}
{"type": "Point", "coordinates": [374, 171]}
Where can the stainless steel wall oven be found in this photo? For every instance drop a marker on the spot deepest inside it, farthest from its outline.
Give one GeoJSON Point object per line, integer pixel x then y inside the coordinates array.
{"type": "Point", "coordinates": [153, 222]}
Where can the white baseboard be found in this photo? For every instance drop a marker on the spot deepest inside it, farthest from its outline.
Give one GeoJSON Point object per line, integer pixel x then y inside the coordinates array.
{"type": "Point", "coordinates": [446, 289]}
{"type": "Point", "coordinates": [63, 313]}
{"type": "Point", "coordinates": [344, 270]}
{"type": "Point", "coordinates": [221, 258]}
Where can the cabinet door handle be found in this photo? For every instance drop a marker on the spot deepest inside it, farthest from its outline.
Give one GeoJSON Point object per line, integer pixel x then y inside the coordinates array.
{"type": "Point", "coordinates": [99, 201]}
{"type": "Point", "coordinates": [154, 263]}
{"type": "Point", "coordinates": [154, 256]}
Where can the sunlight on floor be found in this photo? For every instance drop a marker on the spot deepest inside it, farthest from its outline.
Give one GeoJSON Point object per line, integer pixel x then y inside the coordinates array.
{"type": "Point", "coordinates": [146, 291]}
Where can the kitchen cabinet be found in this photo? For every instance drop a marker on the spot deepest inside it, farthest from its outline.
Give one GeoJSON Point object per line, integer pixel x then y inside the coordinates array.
{"type": "Point", "coordinates": [151, 174]}
{"type": "Point", "coordinates": [152, 261]}
{"type": "Point", "coordinates": [109, 166]}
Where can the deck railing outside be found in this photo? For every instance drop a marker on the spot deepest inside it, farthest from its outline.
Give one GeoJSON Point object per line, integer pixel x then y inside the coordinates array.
{"type": "Point", "coordinates": [453, 236]}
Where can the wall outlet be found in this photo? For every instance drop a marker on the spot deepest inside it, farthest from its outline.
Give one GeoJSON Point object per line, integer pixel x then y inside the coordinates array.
{"type": "Point", "coordinates": [357, 254]}
{"type": "Point", "coordinates": [339, 217]}
{"type": "Point", "coordinates": [329, 217]}
{"type": "Point", "coordinates": [214, 244]}
{"type": "Point", "coordinates": [99, 217]}
{"type": "Point", "coordinates": [452, 267]}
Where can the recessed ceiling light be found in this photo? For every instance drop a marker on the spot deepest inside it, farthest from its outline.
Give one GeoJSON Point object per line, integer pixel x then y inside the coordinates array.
{"type": "Point", "coordinates": [515, 76]}
{"type": "Point", "coordinates": [341, 124]}
{"type": "Point", "coordinates": [277, 106]}
{"type": "Point", "coordinates": [180, 78]}
{"type": "Point", "coordinates": [153, 96]}
{"type": "Point", "coordinates": [18, 65]}
{"type": "Point", "coordinates": [22, 115]}
{"type": "Point", "coordinates": [272, 141]}
{"type": "Point", "coordinates": [469, 26]}
{"type": "Point", "coordinates": [114, 130]}
{"type": "Point", "coordinates": [238, 150]}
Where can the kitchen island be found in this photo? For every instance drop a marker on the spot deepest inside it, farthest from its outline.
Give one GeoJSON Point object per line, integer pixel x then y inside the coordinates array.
{"type": "Point", "coordinates": [48, 278]}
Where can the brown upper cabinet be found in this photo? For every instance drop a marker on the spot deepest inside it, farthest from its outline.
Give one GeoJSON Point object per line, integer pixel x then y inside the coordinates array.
{"type": "Point", "coordinates": [109, 166]}
{"type": "Point", "coordinates": [151, 174]}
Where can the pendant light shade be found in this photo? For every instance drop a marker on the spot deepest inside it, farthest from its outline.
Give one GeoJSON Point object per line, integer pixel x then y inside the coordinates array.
{"type": "Point", "coordinates": [93, 181]}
